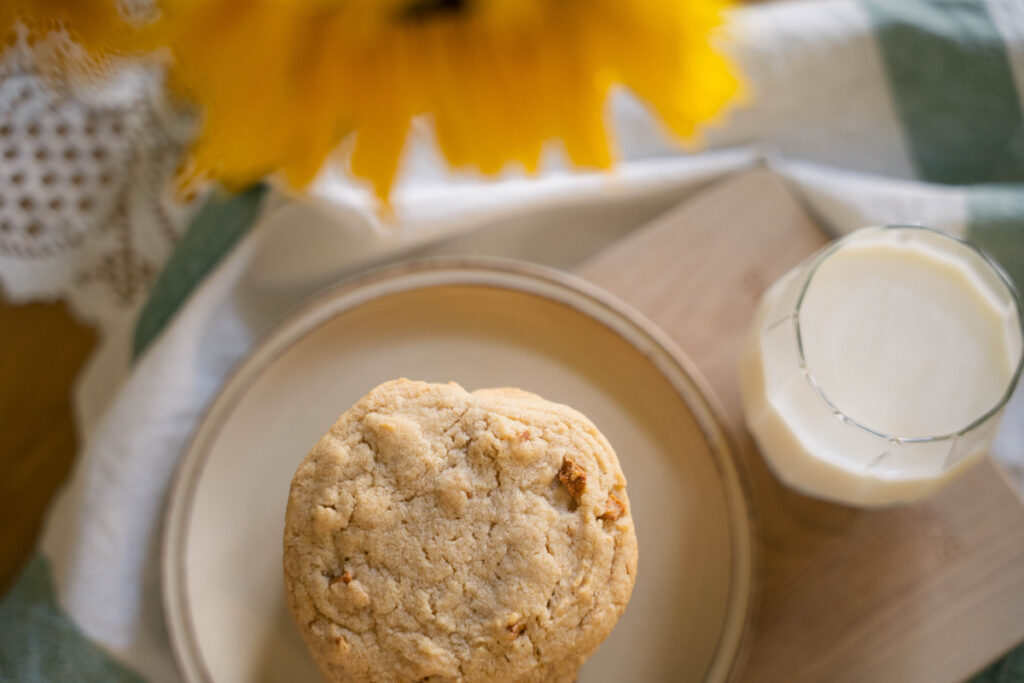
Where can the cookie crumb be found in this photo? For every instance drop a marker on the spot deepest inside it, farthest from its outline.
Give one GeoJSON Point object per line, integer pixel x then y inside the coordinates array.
{"type": "Point", "coordinates": [613, 509]}
{"type": "Point", "coordinates": [523, 435]}
{"type": "Point", "coordinates": [573, 478]}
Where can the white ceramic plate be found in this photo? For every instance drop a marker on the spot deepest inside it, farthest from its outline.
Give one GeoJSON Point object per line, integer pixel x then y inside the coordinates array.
{"type": "Point", "coordinates": [482, 324]}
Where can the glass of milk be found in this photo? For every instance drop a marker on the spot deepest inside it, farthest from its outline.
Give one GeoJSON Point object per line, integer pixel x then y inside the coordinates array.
{"type": "Point", "coordinates": [877, 370]}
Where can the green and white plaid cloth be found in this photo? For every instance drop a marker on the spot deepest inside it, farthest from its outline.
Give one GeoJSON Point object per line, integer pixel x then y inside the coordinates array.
{"type": "Point", "coordinates": [872, 111]}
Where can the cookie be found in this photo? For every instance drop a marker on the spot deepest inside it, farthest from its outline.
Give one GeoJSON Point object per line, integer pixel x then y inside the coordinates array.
{"type": "Point", "coordinates": [441, 535]}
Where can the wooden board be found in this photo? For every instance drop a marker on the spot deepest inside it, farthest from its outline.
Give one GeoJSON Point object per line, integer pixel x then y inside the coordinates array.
{"type": "Point", "coordinates": [931, 592]}
{"type": "Point", "coordinates": [41, 349]}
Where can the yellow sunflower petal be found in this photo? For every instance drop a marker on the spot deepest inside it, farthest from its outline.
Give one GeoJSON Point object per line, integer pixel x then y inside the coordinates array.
{"type": "Point", "coordinates": [281, 82]}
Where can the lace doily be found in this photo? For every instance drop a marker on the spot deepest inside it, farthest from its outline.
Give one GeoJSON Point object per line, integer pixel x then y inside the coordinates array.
{"type": "Point", "coordinates": [87, 211]}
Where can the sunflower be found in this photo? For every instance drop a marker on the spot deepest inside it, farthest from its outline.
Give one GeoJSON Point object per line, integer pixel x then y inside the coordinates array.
{"type": "Point", "coordinates": [280, 84]}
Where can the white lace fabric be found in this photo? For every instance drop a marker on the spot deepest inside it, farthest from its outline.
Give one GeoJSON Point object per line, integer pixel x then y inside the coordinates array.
{"type": "Point", "coordinates": [87, 208]}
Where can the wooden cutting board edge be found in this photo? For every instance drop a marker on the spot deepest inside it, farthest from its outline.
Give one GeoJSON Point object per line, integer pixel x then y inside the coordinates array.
{"type": "Point", "coordinates": [627, 269]}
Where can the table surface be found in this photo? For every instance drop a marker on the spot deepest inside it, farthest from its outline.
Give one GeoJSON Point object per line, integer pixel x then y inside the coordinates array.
{"type": "Point", "coordinates": [42, 348]}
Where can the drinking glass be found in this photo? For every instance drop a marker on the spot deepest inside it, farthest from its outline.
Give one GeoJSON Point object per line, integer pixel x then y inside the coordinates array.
{"type": "Point", "coordinates": [809, 442]}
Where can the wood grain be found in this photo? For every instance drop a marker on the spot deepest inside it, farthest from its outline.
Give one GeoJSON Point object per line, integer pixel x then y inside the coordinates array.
{"type": "Point", "coordinates": [930, 592]}
{"type": "Point", "coordinates": [41, 349]}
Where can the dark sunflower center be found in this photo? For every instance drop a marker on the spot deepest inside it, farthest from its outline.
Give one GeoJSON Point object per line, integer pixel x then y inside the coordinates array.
{"type": "Point", "coordinates": [424, 10]}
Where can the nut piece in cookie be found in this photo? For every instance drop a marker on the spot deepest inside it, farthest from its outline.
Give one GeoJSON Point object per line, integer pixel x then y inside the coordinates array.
{"type": "Point", "coordinates": [344, 577]}
{"type": "Point", "coordinates": [613, 509]}
{"type": "Point", "coordinates": [573, 478]}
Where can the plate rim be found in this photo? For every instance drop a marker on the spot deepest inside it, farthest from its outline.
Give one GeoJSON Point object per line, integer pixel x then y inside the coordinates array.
{"type": "Point", "coordinates": [409, 275]}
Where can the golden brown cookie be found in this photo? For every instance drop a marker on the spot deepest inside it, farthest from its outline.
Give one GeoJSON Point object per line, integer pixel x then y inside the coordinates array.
{"type": "Point", "coordinates": [443, 535]}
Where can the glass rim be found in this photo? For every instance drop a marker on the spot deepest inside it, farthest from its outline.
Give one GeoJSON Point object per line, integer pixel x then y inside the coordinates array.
{"type": "Point", "coordinates": [1003, 277]}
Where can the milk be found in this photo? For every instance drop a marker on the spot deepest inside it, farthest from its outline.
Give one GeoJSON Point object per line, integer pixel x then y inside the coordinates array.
{"type": "Point", "coordinates": [876, 373]}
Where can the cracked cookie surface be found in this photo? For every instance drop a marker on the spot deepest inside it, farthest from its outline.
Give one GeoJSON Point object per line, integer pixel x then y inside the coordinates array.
{"type": "Point", "coordinates": [436, 534]}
